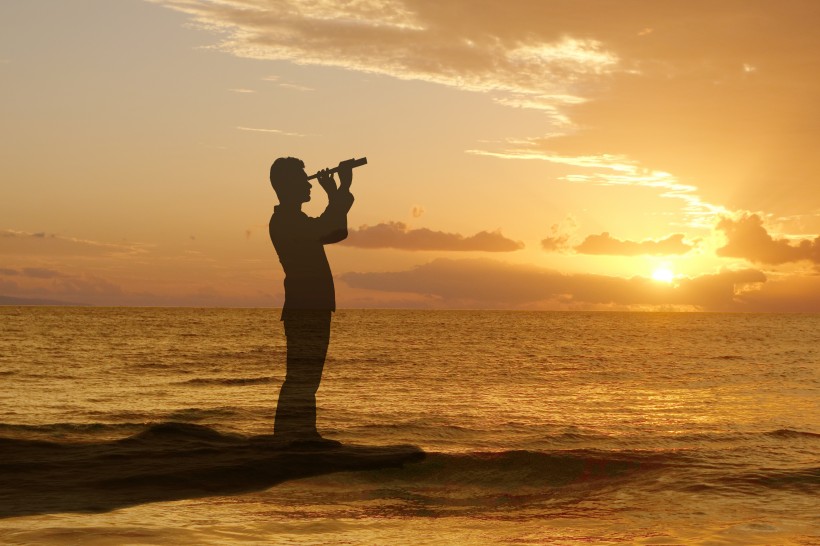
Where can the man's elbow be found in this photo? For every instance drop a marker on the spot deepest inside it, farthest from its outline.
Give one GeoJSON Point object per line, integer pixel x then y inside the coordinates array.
{"type": "Point", "coordinates": [336, 236]}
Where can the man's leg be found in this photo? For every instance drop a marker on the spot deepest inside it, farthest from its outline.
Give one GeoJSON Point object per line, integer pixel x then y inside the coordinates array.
{"type": "Point", "coordinates": [308, 335]}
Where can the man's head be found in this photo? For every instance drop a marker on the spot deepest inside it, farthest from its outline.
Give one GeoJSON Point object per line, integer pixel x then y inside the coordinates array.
{"type": "Point", "coordinates": [289, 180]}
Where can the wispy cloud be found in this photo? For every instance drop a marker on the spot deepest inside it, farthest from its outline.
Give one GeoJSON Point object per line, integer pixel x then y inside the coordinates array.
{"type": "Point", "coordinates": [448, 44]}
{"type": "Point", "coordinates": [287, 85]}
{"type": "Point", "coordinates": [32, 272]}
{"type": "Point", "coordinates": [614, 170]}
{"type": "Point", "coordinates": [41, 273]}
{"type": "Point", "coordinates": [633, 95]}
{"type": "Point", "coordinates": [558, 239]}
{"type": "Point", "coordinates": [272, 131]}
{"type": "Point", "coordinates": [242, 90]}
{"type": "Point", "coordinates": [20, 243]}
{"type": "Point", "coordinates": [296, 87]}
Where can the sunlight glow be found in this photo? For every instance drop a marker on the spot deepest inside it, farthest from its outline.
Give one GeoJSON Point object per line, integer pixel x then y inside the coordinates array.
{"type": "Point", "coordinates": [663, 274]}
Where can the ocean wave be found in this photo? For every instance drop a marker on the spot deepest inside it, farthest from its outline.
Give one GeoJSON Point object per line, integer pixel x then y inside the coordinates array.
{"type": "Point", "coordinates": [230, 381]}
{"type": "Point", "coordinates": [67, 430]}
{"type": "Point", "coordinates": [185, 434]}
{"type": "Point", "coordinates": [151, 365]}
{"type": "Point", "coordinates": [172, 460]}
{"type": "Point", "coordinates": [739, 438]}
{"type": "Point", "coordinates": [482, 478]}
{"type": "Point", "coordinates": [789, 433]}
{"type": "Point", "coordinates": [484, 470]}
{"type": "Point", "coordinates": [163, 462]}
{"type": "Point", "coordinates": [527, 437]}
{"type": "Point", "coordinates": [535, 469]}
{"type": "Point", "coordinates": [245, 354]}
{"type": "Point", "coordinates": [106, 429]}
{"type": "Point", "coordinates": [805, 480]}
{"type": "Point", "coordinates": [801, 478]}
{"type": "Point", "coordinates": [49, 376]}
{"type": "Point", "coordinates": [199, 414]}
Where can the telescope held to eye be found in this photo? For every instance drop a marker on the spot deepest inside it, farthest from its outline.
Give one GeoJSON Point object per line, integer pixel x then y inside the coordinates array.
{"type": "Point", "coordinates": [348, 164]}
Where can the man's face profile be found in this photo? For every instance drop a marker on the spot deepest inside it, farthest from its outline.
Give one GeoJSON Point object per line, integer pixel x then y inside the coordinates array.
{"type": "Point", "coordinates": [297, 186]}
{"type": "Point", "coordinates": [301, 186]}
{"type": "Point", "coordinates": [290, 181]}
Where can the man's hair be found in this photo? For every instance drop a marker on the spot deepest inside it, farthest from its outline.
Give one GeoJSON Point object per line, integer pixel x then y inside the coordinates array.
{"type": "Point", "coordinates": [282, 172]}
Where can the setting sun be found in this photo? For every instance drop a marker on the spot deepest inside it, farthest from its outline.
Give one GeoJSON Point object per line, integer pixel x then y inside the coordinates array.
{"type": "Point", "coordinates": [663, 274]}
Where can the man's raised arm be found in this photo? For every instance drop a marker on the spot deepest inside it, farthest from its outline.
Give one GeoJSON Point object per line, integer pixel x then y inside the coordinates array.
{"type": "Point", "coordinates": [332, 224]}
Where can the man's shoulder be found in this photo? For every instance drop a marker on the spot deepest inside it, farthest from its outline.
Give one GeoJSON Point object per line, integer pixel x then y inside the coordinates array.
{"type": "Point", "coordinates": [287, 221]}
{"type": "Point", "coordinates": [285, 215]}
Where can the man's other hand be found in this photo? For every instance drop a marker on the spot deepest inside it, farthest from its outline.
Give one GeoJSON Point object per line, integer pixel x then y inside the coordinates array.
{"type": "Point", "coordinates": [345, 171]}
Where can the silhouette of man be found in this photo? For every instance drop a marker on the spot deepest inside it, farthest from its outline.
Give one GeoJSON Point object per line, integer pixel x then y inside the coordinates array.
{"type": "Point", "coordinates": [309, 294]}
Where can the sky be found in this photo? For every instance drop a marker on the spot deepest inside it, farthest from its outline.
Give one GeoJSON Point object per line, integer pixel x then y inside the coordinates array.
{"type": "Point", "coordinates": [527, 154]}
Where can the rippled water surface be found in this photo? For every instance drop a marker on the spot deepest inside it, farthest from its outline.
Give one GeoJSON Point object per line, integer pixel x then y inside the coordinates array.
{"type": "Point", "coordinates": [538, 428]}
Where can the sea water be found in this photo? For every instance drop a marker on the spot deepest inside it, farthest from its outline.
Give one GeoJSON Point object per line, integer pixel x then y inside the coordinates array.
{"type": "Point", "coordinates": [538, 427]}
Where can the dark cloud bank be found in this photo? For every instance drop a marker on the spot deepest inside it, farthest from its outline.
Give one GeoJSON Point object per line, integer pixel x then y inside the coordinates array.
{"type": "Point", "coordinates": [482, 283]}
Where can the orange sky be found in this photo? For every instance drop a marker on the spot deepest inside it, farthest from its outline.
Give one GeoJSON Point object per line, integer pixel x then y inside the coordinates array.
{"type": "Point", "coordinates": [538, 154]}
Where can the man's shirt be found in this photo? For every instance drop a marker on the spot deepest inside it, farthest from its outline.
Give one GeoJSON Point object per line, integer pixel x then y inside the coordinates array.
{"type": "Point", "coordinates": [299, 241]}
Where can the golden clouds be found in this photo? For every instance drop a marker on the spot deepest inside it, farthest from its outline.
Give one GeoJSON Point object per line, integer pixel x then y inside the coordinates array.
{"type": "Point", "coordinates": [450, 43]}
{"type": "Point", "coordinates": [606, 244]}
{"type": "Point", "coordinates": [650, 120]}
{"type": "Point", "coordinates": [719, 95]}
{"type": "Point", "coordinates": [747, 238]}
{"type": "Point", "coordinates": [713, 103]}
{"type": "Point", "coordinates": [398, 235]}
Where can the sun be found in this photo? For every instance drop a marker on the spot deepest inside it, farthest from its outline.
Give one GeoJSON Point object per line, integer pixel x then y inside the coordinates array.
{"type": "Point", "coordinates": [663, 274]}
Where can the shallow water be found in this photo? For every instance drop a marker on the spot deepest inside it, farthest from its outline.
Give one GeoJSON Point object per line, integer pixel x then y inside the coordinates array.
{"type": "Point", "coordinates": [539, 428]}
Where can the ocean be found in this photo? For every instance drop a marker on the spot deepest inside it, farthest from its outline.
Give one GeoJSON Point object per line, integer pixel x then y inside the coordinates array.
{"type": "Point", "coordinates": [151, 426]}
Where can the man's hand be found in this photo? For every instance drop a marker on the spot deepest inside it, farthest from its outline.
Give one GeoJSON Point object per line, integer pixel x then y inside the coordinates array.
{"type": "Point", "coordinates": [340, 195]}
{"type": "Point", "coordinates": [326, 180]}
{"type": "Point", "coordinates": [345, 171]}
